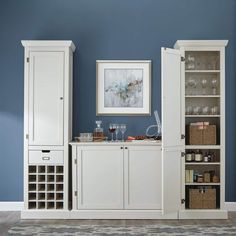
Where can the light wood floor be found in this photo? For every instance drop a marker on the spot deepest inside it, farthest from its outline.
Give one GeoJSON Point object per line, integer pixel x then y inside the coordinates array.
{"type": "Point", "coordinates": [9, 219]}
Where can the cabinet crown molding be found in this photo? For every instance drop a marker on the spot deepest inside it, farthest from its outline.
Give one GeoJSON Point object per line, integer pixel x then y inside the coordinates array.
{"type": "Point", "coordinates": [48, 43]}
{"type": "Point", "coordinates": [200, 43]}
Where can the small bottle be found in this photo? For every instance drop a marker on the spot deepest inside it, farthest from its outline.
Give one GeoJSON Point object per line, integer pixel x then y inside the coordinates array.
{"type": "Point", "coordinates": [213, 157]}
{"type": "Point", "coordinates": [198, 156]}
{"type": "Point", "coordinates": [206, 157]}
{"type": "Point", "coordinates": [209, 156]}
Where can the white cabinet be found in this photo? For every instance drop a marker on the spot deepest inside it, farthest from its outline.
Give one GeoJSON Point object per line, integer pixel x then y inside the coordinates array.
{"type": "Point", "coordinates": [203, 100]}
{"type": "Point", "coordinates": [100, 177]}
{"type": "Point", "coordinates": [47, 124]}
{"type": "Point", "coordinates": [117, 177]}
{"type": "Point", "coordinates": [143, 180]}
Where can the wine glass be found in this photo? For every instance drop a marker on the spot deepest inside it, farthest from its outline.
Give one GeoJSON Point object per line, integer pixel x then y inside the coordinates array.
{"type": "Point", "coordinates": [117, 131]}
{"type": "Point", "coordinates": [189, 110]}
{"type": "Point", "coordinates": [112, 129]}
{"type": "Point", "coordinates": [204, 85]}
{"type": "Point", "coordinates": [123, 129]}
{"type": "Point", "coordinates": [214, 84]}
{"type": "Point", "coordinates": [193, 84]}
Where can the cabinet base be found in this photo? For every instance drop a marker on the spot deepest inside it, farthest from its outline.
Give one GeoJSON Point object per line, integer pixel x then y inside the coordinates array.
{"type": "Point", "coordinates": [123, 214]}
{"type": "Point", "coordinates": [96, 214]}
{"type": "Point", "coordinates": [203, 214]}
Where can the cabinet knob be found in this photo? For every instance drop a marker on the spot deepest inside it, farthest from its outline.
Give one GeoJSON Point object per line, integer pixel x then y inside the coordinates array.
{"type": "Point", "coordinates": [61, 98]}
{"type": "Point", "coordinates": [121, 147]}
{"type": "Point", "coordinates": [126, 147]}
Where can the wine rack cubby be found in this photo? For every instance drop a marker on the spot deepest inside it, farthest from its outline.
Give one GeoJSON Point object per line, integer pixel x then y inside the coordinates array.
{"type": "Point", "coordinates": [45, 187]}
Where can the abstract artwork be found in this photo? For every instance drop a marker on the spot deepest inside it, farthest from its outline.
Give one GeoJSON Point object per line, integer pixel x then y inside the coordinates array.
{"type": "Point", "coordinates": [123, 87]}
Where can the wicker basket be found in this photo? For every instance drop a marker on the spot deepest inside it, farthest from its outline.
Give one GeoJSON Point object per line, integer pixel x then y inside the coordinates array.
{"type": "Point", "coordinates": [202, 135]}
{"type": "Point", "coordinates": [202, 199]}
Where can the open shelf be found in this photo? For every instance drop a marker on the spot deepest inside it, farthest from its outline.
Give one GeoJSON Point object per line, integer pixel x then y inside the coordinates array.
{"type": "Point", "coordinates": [45, 187]}
{"type": "Point", "coordinates": [202, 163]}
{"type": "Point", "coordinates": [202, 146]}
{"type": "Point", "coordinates": [202, 116]}
{"type": "Point", "coordinates": [202, 184]}
{"type": "Point", "coordinates": [202, 96]}
{"type": "Point", "coordinates": [202, 71]}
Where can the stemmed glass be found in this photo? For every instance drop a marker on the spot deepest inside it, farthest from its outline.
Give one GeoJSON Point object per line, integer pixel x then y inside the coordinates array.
{"type": "Point", "coordinates": [112, 129]}
{"type": "Point", "coordinates": [193, 84]}
{"type": "Point", "coordinates": [204, 85]}
{"type": "Point", "coordinates": [214, 86]}
{"type": "Point", "coordinates": [123, 129]}
{"type": "Point", "coordinates": [117, 131]}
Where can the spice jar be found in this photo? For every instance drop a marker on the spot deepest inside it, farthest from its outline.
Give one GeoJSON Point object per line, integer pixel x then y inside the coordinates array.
{"type": "Point", "coordinates": [188, 157]}
{"type": "Point", "coordinates": [198, 156]}
{"type": "Point", "coordinates": [200, 178]}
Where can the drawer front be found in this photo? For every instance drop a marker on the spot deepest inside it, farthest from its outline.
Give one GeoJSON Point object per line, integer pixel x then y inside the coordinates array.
{"type": "Point", "coordinates": [45, 157]}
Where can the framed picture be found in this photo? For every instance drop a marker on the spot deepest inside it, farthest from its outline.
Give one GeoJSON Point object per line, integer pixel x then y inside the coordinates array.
{"type": "Point", "coordinates": [123, 87]}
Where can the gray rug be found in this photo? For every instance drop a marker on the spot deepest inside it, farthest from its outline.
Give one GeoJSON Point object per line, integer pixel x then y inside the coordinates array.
{"type": "Point", "coordinates": [137, 230]}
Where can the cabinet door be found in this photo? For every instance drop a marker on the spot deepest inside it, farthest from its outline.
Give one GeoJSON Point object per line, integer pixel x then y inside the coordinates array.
{"type": "Point", "coordinates": [143, 177]}
{"type": "Point", "coordinates": [171, 98]}
{"type": "Point", "coordinates": [171, 180]}
{"type": "Point", "coordinates": [46, 77]}
{"type": "Point", "coordinates": [100, 177]}
{"type": "Point", "coordinates": [171, 130]}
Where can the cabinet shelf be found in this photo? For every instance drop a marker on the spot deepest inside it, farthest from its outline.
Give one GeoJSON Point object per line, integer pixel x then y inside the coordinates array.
{"type": "Point", "coordinates": [203, 184]}
{"type": "Point", "coordinates": [202, 71]}
{"type": "Point", "coordinates": [202, 163]}
{"type": "Point", "coordinates": [189, 116]}
{"type": "Point", "coordinates": [202, 146]}
{"type": "Point", "coordinates": [202, 96]}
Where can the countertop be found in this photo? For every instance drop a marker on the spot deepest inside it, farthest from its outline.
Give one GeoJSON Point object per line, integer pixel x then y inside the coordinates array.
{"type": "Point", "coordinates": [126, 143]}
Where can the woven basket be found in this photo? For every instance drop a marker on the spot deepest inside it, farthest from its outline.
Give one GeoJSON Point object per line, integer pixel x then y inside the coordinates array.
{"type": "Point", "coordinates": [199, 199]}
{"type": "Point", "coordinates": [205, 135]}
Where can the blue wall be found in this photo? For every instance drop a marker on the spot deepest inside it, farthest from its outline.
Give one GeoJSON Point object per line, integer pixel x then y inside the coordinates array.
{"type": "Point", "coordinates": [104, 29]}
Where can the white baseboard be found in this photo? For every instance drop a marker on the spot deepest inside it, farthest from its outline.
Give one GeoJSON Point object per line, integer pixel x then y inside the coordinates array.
{"type": "Point", "coordinates": [230, 206]}
{"type": "Point", "coordinates": [11, 206]}
{"type": "Point", "coordinates": [19, 206]}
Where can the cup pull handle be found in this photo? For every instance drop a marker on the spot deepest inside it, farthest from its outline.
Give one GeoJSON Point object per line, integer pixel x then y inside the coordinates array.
{"type": "Point", "coordinates": [45, 151]}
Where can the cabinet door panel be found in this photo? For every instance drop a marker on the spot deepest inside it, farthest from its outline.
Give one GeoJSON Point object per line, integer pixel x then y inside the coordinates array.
{"type": "Point", "coordinates": [171, 180]}
{"type": "Point", "coordinates": [46, 78]}
{"type": "Point", "coordinates": [143, 178]}
{"type": "Point", "coordinates": [100, 173]}
{"type": "Point", "coordinates": [171, 98]}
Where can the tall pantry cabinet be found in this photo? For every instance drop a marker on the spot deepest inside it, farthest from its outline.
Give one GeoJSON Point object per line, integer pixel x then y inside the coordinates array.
{"type": "Point", "coordinates": [47, 124]}
{"type": "Point", "coordinates": [203, 128]}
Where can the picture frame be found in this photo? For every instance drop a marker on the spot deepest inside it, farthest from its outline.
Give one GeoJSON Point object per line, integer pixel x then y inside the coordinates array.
{"type": "Point", "coordinates": [123, 87]}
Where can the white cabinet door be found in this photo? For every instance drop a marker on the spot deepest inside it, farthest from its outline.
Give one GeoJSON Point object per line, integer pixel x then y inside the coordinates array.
{"type": "Point", "coordinates": [46, 78]}
{"type": "Point", "coordinates": [172, 144]}
{"type": "Point", "coordinates": [100, 177]}
{"type": "Point", "coordinates": [171, 97]}
{"type": "Point", "coordinates": [143, 177]}
{"type": "Point", "coordinates": [171, 180]}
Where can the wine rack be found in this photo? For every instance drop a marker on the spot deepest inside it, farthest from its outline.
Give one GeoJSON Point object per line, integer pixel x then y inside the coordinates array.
{"type": "Point", "coordinates": [45, 187]}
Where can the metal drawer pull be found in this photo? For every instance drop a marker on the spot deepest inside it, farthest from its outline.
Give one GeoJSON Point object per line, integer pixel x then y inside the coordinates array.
{"type": "Point", "coordinates": [46, 158]}
{"type": "Point", "coordinates": [46, 151]}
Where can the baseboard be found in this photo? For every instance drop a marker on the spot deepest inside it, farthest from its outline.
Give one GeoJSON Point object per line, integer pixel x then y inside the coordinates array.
{"type": "Point", "coordinates": [11, 206]}
{"type": "Point", "coordinates": [230, 206]}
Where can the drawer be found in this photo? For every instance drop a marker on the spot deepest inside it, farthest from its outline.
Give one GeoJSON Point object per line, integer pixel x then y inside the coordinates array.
{"type": "Point", "coordinates": [45, 157]}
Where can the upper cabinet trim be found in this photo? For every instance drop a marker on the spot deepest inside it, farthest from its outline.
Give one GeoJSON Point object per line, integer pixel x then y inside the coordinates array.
{"type": "Point", "coordinates": [200, 43]}
{"type": "Point", "coordinates": [49, 43]}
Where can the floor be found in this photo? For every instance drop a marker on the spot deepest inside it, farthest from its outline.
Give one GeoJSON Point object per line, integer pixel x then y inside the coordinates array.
{"type": "Point", "coordinates": [9, 219]}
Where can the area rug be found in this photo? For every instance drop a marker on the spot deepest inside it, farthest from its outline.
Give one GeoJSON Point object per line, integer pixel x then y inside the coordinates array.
{"type": "Point", "coordinates": [137, 230]}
